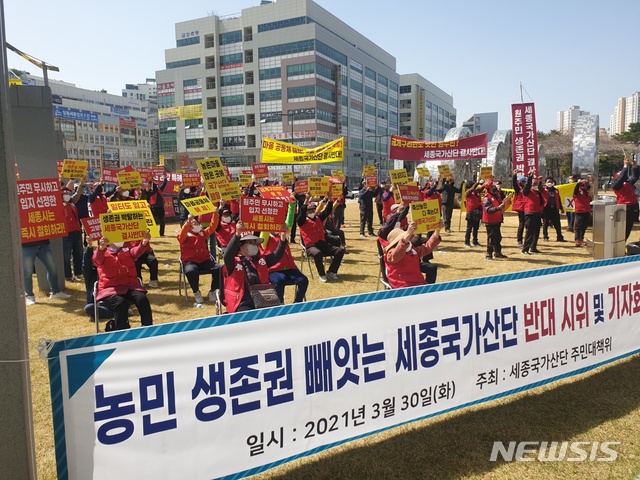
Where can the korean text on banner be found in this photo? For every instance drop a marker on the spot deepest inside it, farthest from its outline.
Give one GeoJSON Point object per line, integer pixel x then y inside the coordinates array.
{"type": "Point", "coordinates": [198, 205]}
{"type": "Point", "coordinates": [264, 215]}
{"type": "Point", "coordinates": [474, 147]}
{"type": "Point", "coordinates": [74, 168]}
{"type": "Point", "coordinates": [410, 194]}
{"type": "Point", "coordinates": [146, 174]}
{"type": "Point", "coordinates": [129, 205]}
{"type": "Point", "coordinates": [444, 171]}
{"type": "Point", "coordinates": [92, 227]}
{"type": "Point", "coordinates": [399, 176]}
{"type": "Point", "coordinates": [260, 170]}
{"type": "Point", "coordinates": [125, 226]}
{"type": "Point", "coordinates": [336, 191]}
{"type": "Point", "coordinates": [288, 177]}
{"type": "Point", "coordinates": [245, 179]}
{"type": "Point", "coordinates": [129, 180]}
{"type": "Point", "coordinates": [159, 173]}
{"type": "Point", "coordinates": [212, 172]}
{"type": "Point", "coordinates": [302, 186]}
{"type": "Point", "coordinates": [41, 210]}
{"type": "Point", "coordinates": [486, 173]}
{"type": "Point", "coordinates": [371, 181]}
{"type": "Point", "coordinates": [229, 190]}
{"type": "Point", "coordinates": [276, 380]}
{"type": "Point", "coordinates": [426, 214]}
{"type": "Point", "coordinates": [423, 172]}
{"type": "Point", "coordinates": [369, 170]}
{"type": "Point", "coordinates": [525, 138]}
{"type": "Point", "coordinates": [337, 174]}
{"type": "Point", "coordinates": [193, 179]}
{"type": "Point", "coordinates": [319, 186]}
{"type": "Point", "coordinates": [274, 151]}
{"type": "Point", "coordinates": [275, 191]}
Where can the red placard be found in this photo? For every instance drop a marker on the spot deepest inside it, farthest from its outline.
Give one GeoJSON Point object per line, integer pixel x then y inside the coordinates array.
{"type": "Point", "coordinates": [92, 227]}
{"type": "Point", "coordinates": [145, 173]}
{"type": "Point", "coordinates": [59, 164]}
{"type": "Point", "coordinates": [408, 149]}
{"type": "Point", "coordinates": [158, 171]}
{"type": "Point", "coordinates": [260, 170]}
{"type": "Point", "coordinates": [262, 214]}
{"type": "Point", "coordinates": [226, 170]}
{"type": "Point", "coordinates": [372, 181]}
{"type": "Point", "coordinates": [247, 172]}
{"type": "Point", "coordinates": [41, 210]}
{"type": "Point", "coordinates": [110, 175]}
{"type": "Point", "coordinates": [302, 186]}
{"type": "Point", "coordinates": [410, 194]}
{"type": "Point", "coordinates": [525, 138]}
{"type": "Point", "coordinates": [191, 179]}
{"type": "Point", "coordinates": [275, 191]}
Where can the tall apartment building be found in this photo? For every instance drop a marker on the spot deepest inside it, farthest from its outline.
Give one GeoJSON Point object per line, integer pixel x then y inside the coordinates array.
{"type": "Point", "coordinates": [426, 112]}
{"type": "Point", "coordinates": [626, 112]}
{"type": "Point", "coordinates": [567, 119]}
{"type": "Point", "coordinates": [100, 127]}
{"type": "Point", "coordinates": [288, 70]}
{"type": "Point", "coordinates": [483, 123]}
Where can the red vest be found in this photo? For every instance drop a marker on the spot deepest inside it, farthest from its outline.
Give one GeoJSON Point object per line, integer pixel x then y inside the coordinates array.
{"type": "Point", "coordinates": [433, 197]}
{"type": "Point", "coordinates": [626, 195]}
{"type": "Point", "coordinates": [532, 202]}
{"type": "Point", "coordinates": [546, 196]}
{"type": "Point", "coordinates": [405, 273]}
{"type": "Point", "coordinates": [234, 206]}
{"type": "Point", "coordinates": [386, 205]}
{"type": "Point", "coordinates": [473, 201]}
{"type": "Point", "coordinates": [71, 219]}
{"type": "Point", "coordinates": [518, 202]}
{"type": "Point", "coordinates": [117, 271]}
{"type": "Point", "coordinates": [491, 218]}
{"type": "Point", "coordinates": [312, 231]}
{"type": "Point", "coordinates": [195, 248]}
{"type": "Point", "coordinates": [286, 262]}
{"type": "Point", "coordinates": [99, 206]}
{"type": "Point", "coordinates": [582, 202]}
{"type": "Point", "coordinates": [224, 233]}
{"type": "Point", "coordinates": [234, 284]}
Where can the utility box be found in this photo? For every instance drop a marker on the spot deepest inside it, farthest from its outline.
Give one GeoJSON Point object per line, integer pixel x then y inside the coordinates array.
{"type": "Point", "coordinates": [609, 229]}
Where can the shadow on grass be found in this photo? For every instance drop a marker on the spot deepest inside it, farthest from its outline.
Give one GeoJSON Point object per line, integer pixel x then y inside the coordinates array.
{"type": "Point", "coordinates": [461, 445]}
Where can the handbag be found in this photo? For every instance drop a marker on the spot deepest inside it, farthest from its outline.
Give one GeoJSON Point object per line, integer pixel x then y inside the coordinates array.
{"type": "Point", "coordinates": [264, 295]}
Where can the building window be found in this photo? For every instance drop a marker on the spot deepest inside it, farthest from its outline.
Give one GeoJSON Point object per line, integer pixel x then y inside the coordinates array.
{"type": "Point", "coordinates": [183, 42]}
{"type": "Point", "coordinates": [228, 80]}
{"type": "Point", "coordinates": [231, 100]}
{"type": "Point", "coordinates": [267, 95]}
{"type": "Point", "coordinates": [286, 49]}
{"type": "Point", "coordinates": [209, 41]}
{"type": "Point", "coordinates": [270, 73]}
{"type": "Point", "coordinates": [210, 62]}
{"type": "Point", "coordinates": [289, 22]}
{"type": "Point", "coordinates": [230, 60]}
{"type": "Point", "coordinates": [369, 73]}
{"type": "Point", "coordinates": [405, 89]}
{"type": "Point", "coordinates": [230, 37]}
{"type": "Point", "coordinates": [233, 121]}
{"type": "Point", "coordinates": [211, 83]}
{"type": "Point", "coordinates": [194, 143]}
{"type": "Point", "coordinates": [183, 63]}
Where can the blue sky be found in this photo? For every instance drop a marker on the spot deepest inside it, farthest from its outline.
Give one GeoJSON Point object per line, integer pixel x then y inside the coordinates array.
{"type": "Point", "coordinates": [578, 52]}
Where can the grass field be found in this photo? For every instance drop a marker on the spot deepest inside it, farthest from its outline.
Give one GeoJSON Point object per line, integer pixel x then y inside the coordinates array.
{"type": "Point", "coordinates": [601, 406]}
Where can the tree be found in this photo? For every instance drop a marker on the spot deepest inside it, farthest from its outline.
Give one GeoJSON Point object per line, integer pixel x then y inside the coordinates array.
{"type": "Point", "coordinates": [632, 135]}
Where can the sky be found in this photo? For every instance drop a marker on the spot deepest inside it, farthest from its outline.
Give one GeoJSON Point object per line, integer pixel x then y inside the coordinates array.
{"type": "Point", "coordinates": [486, 54]}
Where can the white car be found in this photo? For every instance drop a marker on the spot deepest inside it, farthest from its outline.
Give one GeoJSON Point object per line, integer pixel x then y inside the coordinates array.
{"type": "Point", "coordinates": [354, 193]}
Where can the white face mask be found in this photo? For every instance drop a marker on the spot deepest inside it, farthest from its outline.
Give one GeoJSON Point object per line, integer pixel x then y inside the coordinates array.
{"type": "Point", "coordinates": [66, 198]}
{"type": "Point", "coordinates": [549, 184]}
{"type": "Point", "coordinates": [118, 244]}
{"type": "Point", "coordinates": [252, 250]}
{"type": "Point", "coordinates": [226, 219]}
{"type": "Point", "coordinates": [125, 194]}
{"type": "Point", "coordinates": [187, 191]}
{"type": "Point", "coordinates": [311, 216]}
{"type": "Point", "coordinates": [196, 229]}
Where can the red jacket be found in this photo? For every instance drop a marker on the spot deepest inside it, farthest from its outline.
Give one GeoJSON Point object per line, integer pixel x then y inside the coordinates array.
{"type": "Point", "coordinates": [387, 202]}
{"type": "Point", "coordinates": [546, 196]}
{"type": "Point", "coordinates": [532, 202]}
{"type": "Point", "coordinates": [71, 219]}
{"type": "Point", "coordinates": [286, 262]}
{"type": "Point", "coordinates": [234, 284]}
{"type": "Point", "coordinates": [435, 195]}
{"type": "Point", "coordinates": [117, 271]}
{"type": "Point", "coordinates": [403, 269]}
{"type": "Point", "coordinates": [473, 201]}
{"type": "Point", "coordinates": [582, 201]}
{"type": "Point", "coordinates": [193, 246]}
{"type": "Point", "coordinates": [312, 231]}
{"type": "Point", "coordinates": [491, 213]}
{"type": "Point", "coordinates": [626, 195]}
{"type": "Point", "coordinates": [224, 233]}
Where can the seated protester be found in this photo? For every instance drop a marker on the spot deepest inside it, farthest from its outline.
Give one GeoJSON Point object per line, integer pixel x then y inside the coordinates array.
{"type": "Point", "coordinates": [195, 256]}
{"type": "Point", "coordinates": [90, 273]}
{"type": "Point", "coordinates": [334, 235]}
{"type": "Point", "coordinates": [402, 258]}
{"type": "Point", "coordinates": [246, 266]}
{"type": "Point", "coordinates": [397, 218]}
{"type": "Point", "coordinates": [117, 282]}
{"type": "Point", "coordinates": [314, 240]}
{"type": "Point", "coordinates": [149, 259]}
{"type": "Point", "coordinates": [285, 272]}
{"type": "Point", "coordinates": [226, 229]}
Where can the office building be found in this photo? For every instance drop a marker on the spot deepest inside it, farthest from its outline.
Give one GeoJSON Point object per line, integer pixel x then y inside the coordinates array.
{"type": "Point", "coordinates": [567, 120]}
{"type": "Point", "coordinates": [483, 123]}
{"type": "Point", "coordinates": [626, 112]}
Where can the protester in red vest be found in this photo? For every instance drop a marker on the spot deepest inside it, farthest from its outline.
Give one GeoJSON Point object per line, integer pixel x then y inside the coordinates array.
{"type": "Point", "coordinates": [72, 242]}
{"type": "Point", "coordinates": [195, 255]}
{"type": "Point", "coordinates": [582, 206]}
{"type": "Point", "coordinates": [625, 192]}
{"type": "Point", "coordinates": [246, 266]}
{"type": "Point", "coordinates": [152, 193]}
{"type": "Point", "coordinates": [118, 285]}
{"type": "Point", "coordinates": [551, 210]}
{"type": "Point", "coordinates": [99, 198]}
{"type": "Point", "coordinates": [493, 207]}
{"type": "Point", "coordinates": [226, 228]}
{"type": "Point", "coordinates": [532, 213]}
{"type": "Point", "coordinates": [285, 272]}
{"type": "Point", "coordinates": [388, 200]}
{"type": "Point", "coordinates": [518, 204]}
{"type": "Point", "coordinates": [402, 258]}
{"type": "Point", "coordinates": [473, 206]}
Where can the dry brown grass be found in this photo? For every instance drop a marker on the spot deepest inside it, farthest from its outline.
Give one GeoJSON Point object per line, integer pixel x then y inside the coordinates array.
{"type": "Point", "coordinates": [601, 406]}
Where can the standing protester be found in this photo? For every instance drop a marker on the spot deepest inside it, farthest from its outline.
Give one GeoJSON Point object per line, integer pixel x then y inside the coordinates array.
{"type": "Point", "coordinates": [552, 210]}
{"type": "Point", "coordinates": [473, 207]}
{"type": "Point", "coordinates": [98, 199]}
{"type": "Point", "coordinates": [378, 201]}
{"type": "Point", "coordinates": [623, 187]}
{"type": "Point", "coordinates": [365, 201]}
{"type": "Point", "coordinates": [152, 193]}
{"type": "Point", "coordinates": [518, 204]}
{"type": "Point", "coordinates": [493, 207]}
{"type": "Point", "coordinates": [582, 203]}
{"type": "Point", "coordinates": [388, 199]}
{"type": "Point", "coordinates": [448, 191]}
{"type": "Point", "coordinates": [533, 202]}
{"type": "Point", "coordinates": [339, 207]}
{"type": "Point", "coordinates": [72, 242]}
{"type": "Point", "coordinates": [40, 249]}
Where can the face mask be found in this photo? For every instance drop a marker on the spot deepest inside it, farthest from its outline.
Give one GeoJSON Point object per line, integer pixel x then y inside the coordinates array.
{"type": "Point", "coordinates": [252, 250]}
{"type": "Point", "coordinates": [66, 198]}
{"type": "Point", "coordinates": [125, 194]}
{"type": "Point", "coordinates": [187, 191]}
{"type": "Point", "coordinates": [549, 185]}
{"type": "Point", "coordinates": [118, 244]}
{"type": "Point", "coordinates": [226, 219]}
{"type": "Point", "coordinates": [409, 248]}
{"type": "Point", "coordinates": [311, 216]}
{"type": "Point", "coordinates": [196, 229]}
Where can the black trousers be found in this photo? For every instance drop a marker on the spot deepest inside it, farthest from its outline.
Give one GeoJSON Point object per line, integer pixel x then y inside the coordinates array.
{"type": "Point", "coordinates": [324, 249]}
{"type": "Point", "coordinates": [119, 304]}
{"type": "Point", "coordinates": [552, 217]}
{"type": "Point", "coordinates": [632, 217]}
{"type": "Point", "coordinates": [580, 225]}
{"type": "Point", "coordinates": [193, 270]}
{"type": "Point", "coordinates": [149, 259]}
{"type": "Point", "coordinates": [520, 234]}
{"type": "Point", "coordinates": [494, 239]}
{"type": "Point", "coordinates": [366, 218]}
{"type": "Point", "coordinates": [158, 216]}
{"type": "Point", "coordinates": [532, 227]}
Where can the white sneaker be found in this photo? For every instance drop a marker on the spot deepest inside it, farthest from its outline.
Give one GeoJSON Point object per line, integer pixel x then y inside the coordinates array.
{"type": "Point", "coordinates": [31, 300]}
{"type": "Point", "coordinates": [198, 296]}
{"type": "Point", "coordinates": [154, 284]}
{"type": "Point", "coordinates": [59, 296]}
{"type": "Point", "coordinates": [332, 276]}
{"type": "Point", "coordinates": [212, 296]}
{"type": "Point", "coordinates": [323, 278]}
{"type": "Point", "coordinates": [76, 278]}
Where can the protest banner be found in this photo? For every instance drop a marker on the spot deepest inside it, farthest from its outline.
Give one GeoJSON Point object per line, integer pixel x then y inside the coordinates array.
{"type": "Point", "coordinates": [274, 151]}
{"type": "Point", "coordinates": [198, 205]}
{"type": "Point", "coordinates": [245, 179]}
{"type": "Point", "coordinates": [193, 179]}
{"type": "Point", "coordinates": [175, 387]}
{"type": "Point", "coordinates": [260, 170]}
{"type": "Point", "coordinates": [92, 227]}
{"type": "Point", "coordinates": [41, 209]}
{"type": "Point", "coordinates": [59, 164]}
{"type": "Point", "coordinates": [129, 180]}
{"type": "Point", "coordinates": [229, 190]}
{"type": "Point", "coordinates": [129, 205]}
{"type": "Point", "coordinates": [212, 172]}
{"type": "Point", "coordinates": [338, 174]}
{"type": "Point", "coordinates": [398, 176]}
{"type": "Point", "coordinates": [263, 215]}
{"type": "Point", "coordinates": [319, 186]}
{"type": "Point", "coordinates": [146, 174]}
{"type": "Point", "coordinates": [74, 168]}
{"type": "Point", "coordinates": [444, 171]}
{"type": "Point", "coordinates": [371, 181]}
{"type": "Point", "coordinates": [302, 186]}
{"type": "Point", "coordinates": [125, 226]}
{"type": "Point", "coordinates": [275, 191]}
{"type": "Point", "coordinates": [408, 149]}
{"type": "Point", "coordinates": [288, 178]}
{"type": "Point", "coordinates": [110, 175]}
{"type": "Point", "coordinates": [159, 173]}
{"type": "Point", "coordinates": [486, 173]}
{"type": "Point", "coordinates": [423, 172]}
{"type": "Point", "coordinates": [410, 194]}
{"type": "Point", "coordinates": [524, 138]}
{"type": "Point", "coordinates": [336, 190]}
{"type": "Point", "coordinates": [369, 170]}
{"type": "Point", "coordinates": [426, 214]}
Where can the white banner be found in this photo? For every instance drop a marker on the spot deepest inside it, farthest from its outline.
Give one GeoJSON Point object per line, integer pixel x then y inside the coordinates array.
{"type": "Point", "coordinates": [231, 395]}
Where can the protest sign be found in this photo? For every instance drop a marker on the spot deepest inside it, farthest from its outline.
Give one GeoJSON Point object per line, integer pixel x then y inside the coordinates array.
{"type": "Point", "coordinates": [426, 214]}
{"type": "Point", "coordinates": [41, 209]}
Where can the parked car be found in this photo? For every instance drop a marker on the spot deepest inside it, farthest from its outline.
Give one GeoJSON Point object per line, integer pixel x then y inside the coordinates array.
{"type": "Point", "coordinates": [353, 193]}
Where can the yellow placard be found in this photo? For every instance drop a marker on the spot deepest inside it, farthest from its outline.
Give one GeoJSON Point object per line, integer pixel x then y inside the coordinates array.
{"type": "Point", "coordinates": [444, 171]}
{"type": "Point", "coordinates": [245, 179]}
{"type": "Point", "coordinates": [426, 214]}
{"type": "Point", "coordinates": [423, 172]}
{"type": "Point", "coordinates": [369, 170]}
{"type": "Point", "coordinates": [274, 151]}
{"type": "Point", "coordinates": [397, 198]}
{"type": "Point", "coordinates": [337, 173]}
{"type": "Point", "coordinates": [399, 176]}
{"type": "Point", "coordinates": [486, 173]}
{"type": "Point", "coordinates": [128, 205]}
{"type": "Point", "coordinates": [161, 160]}
{"type": "Point", "coordinates": [288, 177]}
{"type": "Point", "coordinates": [229, 191]}
{"type": "Point", "coordinates": [129, 180]}
{"type": "Point", "coordinates": [198, 205]}
{"type": "Point", "coordinates": [212, 172]}
{"type": "Point", "coordinates": [74, 168]}
{"type": "Point", "coordinates": [123, 226]}
{"type": "Point", "coordinates": [319, 186]}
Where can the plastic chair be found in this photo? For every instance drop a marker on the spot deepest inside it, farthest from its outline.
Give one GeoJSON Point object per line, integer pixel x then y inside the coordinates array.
{"type": "Point", "coordinates": [183, 284]}
{"type": "Point", "coordinates": [382, 271]}
{"type": "Point", "coordinates": [309, 257]}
